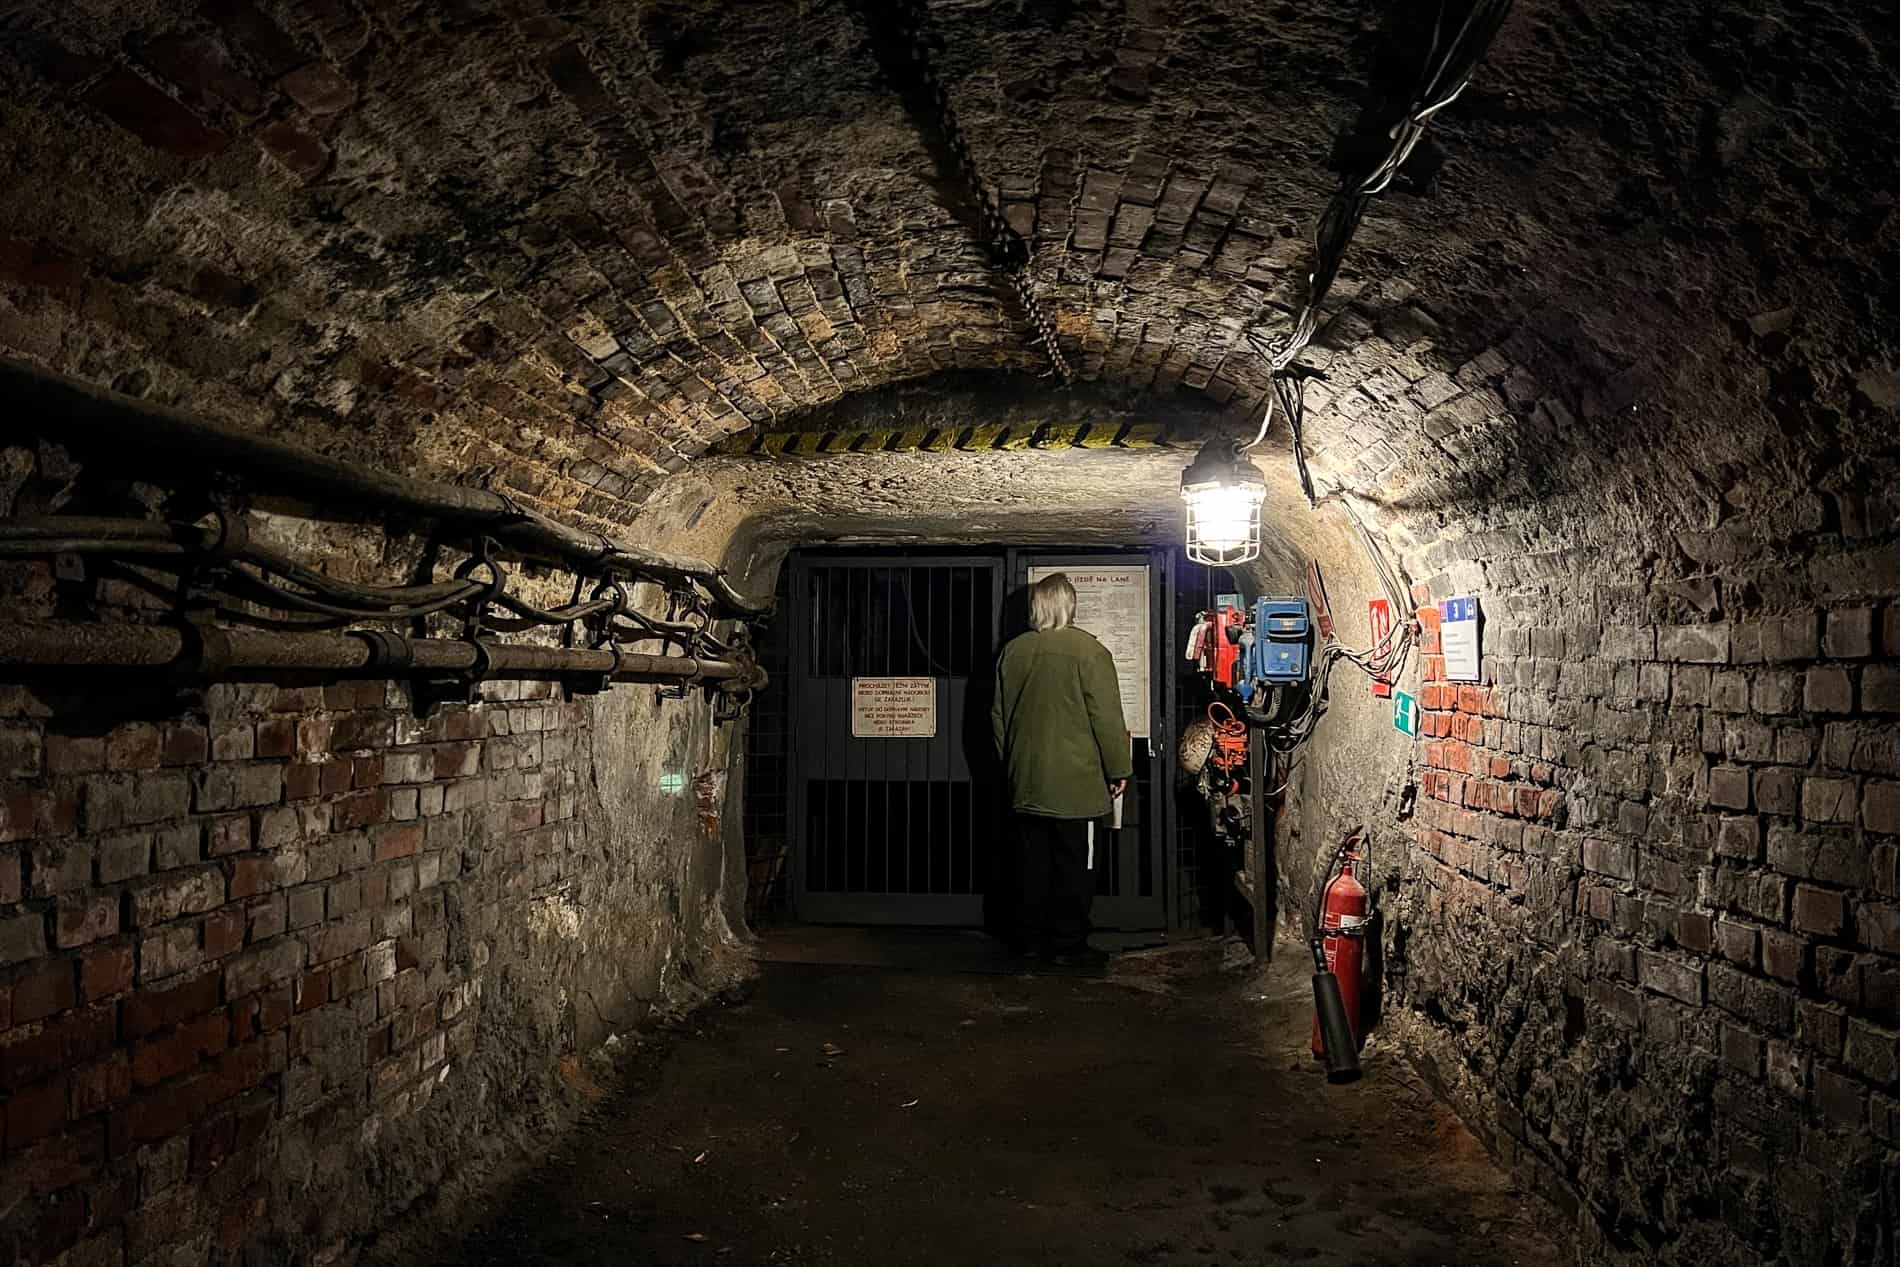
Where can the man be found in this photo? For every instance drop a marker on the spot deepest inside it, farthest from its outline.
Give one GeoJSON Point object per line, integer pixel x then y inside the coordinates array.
{"type": "Point", "coordinates": [1057, 719]}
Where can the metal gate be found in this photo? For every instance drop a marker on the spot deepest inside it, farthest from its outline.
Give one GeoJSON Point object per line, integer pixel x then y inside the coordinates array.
{"type": "Point", "coordinates": [893, 830]}
{"type": "Point", "coordinates": [908, 830]}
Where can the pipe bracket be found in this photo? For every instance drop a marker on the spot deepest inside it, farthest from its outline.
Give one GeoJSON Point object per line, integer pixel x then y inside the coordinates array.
{"type": "Point", "coordinates": [386, 650]}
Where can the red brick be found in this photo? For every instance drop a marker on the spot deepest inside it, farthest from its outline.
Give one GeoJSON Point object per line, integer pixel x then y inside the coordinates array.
{"type": "Point", "coordinates": [250, 876]}
{"type": "Point", "coordinates": [30, 1055]}
{"type": "Point", "coordinates": [86, 918]}
{"type": "Point", "coordinates": [336, 777]}
{"type": "Point", "coordinates": [1782, 955]}
{"type": "Point", "coordinates": [277, 737]}
{"type": "Point", "coordinates": [274, 1010]}
{"type": "Point", "coordinates": [153, 117]}
{"type": "Point", "coordinates": [357, 810]}
{"type": "Point", "coordinates": [1471, 699]}
{"type": "Point", "coordinates": [105, 971]}
{"type": "Point", "coordinates": [1839, 1097]}
{"type": "Point", "coordinates": [75, 754]}
{"type": "Point", "coordinates": [87, 1033]}
{"type": "Point", "coordinates": [356, 731]}
{"type": "Point", "coordinates": [312, 990]}
{"type": "Point", "coordinates": [151, 1010]}
{"type": "Point", "coordinates": [238, 1070]}
{"type": "Point", "coordinates": [1819, 911]}
{"type": "Point", "coordinates": [457, 760]}
{"type": "Point", "coordinates": [228, 834]}
{"type": "Point", "coordinates": [223, 932]}
{"type": "Point", "coordinates": [35, 1112]}
{"type": "Point", "coordinates": [45, 990]}
{"type": "Point", "coordinates": [133, 746]}
{"type": "Point", "coordinates": [25, 814]}
{"type": "Point", "coordinates": [101, 1085]}
{"type": "Point", "coordinates": [10, 888]}
{"type": "Point", "coordinates": [173, 1053]}
{"type": "Point", "coordinates": [297, 699]}
{"type": "Point", "coordinates": [366, 772]}
{"type": "Point", "coordinates": [319, 89]}
{"type": "Point", "coordinates": [302, 781]}
{"type": "Point", "coordinates": [161, 1114]}
{"type": "Point", "coordinates": [1695, 931]}
{"type": "Point", "coordinates": [201, 68]}
{"type": "Point", "coordinates": [185, 745]}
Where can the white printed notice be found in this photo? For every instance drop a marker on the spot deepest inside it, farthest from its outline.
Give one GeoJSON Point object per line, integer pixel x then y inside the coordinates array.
{"type": "Point", "coordinates": [893, 707]}
{"type": "Point", "coordinates": [1112, 604]}
{"type": "Point", "coordinates": [1458, 632]}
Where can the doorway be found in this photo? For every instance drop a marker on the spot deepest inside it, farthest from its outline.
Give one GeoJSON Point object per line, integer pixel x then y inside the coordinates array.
{"type": "Point", "coordinates": [894, 805]}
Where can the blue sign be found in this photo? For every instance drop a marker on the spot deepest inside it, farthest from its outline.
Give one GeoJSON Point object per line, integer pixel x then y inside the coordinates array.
{"type": "Point", "coordinates": [1458, 636]}
{"type": "Point", "coordinates": [1405, 713]}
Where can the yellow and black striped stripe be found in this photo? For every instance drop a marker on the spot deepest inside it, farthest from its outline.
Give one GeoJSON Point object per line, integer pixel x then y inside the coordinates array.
{"type": "Point", "coordinates": [987, 436]}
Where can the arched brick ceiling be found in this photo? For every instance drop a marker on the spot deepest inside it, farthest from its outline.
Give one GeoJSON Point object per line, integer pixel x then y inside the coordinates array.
{"type": "Point", "coordinates": [563, 249]}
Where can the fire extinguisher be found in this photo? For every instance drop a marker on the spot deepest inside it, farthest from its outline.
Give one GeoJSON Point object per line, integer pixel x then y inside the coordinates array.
{"type": "Point", "coordinates": [1342, 917]}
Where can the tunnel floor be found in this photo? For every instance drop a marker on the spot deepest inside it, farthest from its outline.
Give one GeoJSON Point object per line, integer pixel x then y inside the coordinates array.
{"type": "Point", "coordinates": [1166, 1113]}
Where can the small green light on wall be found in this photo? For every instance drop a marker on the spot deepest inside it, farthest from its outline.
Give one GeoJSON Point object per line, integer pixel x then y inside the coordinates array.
{"type": "Point", "coordinates": [672, 784]}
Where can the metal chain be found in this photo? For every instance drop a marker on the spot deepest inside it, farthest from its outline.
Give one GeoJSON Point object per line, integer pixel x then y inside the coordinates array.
{"type": "Point", "coordinates": [1008, 249]}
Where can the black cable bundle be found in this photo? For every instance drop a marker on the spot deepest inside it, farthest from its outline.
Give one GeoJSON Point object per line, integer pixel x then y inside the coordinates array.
{"type": "Point", "coordinates": [1451, 58]}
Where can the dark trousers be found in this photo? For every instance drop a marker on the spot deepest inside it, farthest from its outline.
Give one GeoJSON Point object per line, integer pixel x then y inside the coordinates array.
{"type": "Point", "coordinates": [1057, 886]}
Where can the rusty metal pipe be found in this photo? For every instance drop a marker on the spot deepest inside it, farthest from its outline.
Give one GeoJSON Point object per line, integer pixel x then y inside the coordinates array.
{"type": "Point", "coordinates": [53, 646]}
{"type": "Point", "coordinates": [74, 411]}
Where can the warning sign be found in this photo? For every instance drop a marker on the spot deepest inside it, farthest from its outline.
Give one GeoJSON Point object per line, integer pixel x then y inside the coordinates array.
{"type": "Point", "coordinates": [893, 707]}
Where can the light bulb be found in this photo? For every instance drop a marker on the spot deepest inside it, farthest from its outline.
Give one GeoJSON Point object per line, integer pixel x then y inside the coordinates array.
{"type": "Point", "coordinates": [1224, 515]}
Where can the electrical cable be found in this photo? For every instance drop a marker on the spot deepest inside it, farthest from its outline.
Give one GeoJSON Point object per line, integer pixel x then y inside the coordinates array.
{"type": "Point", "coordinates": [1445, 73]}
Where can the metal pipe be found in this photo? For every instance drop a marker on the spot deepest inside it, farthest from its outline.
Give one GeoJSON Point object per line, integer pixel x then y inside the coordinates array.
{"type": "Point", "coordinates": [60, 645]}
{"type": "Point", "coordinates": [75, 411]}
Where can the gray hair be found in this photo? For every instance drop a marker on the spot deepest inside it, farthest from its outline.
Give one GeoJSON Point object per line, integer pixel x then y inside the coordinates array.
{"type": "Point", "coordinates": [1052, 602]}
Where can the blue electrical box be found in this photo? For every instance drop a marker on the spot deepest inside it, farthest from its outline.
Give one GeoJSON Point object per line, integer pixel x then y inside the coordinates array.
{"type": "Point", "coordinates": [1282, 650]}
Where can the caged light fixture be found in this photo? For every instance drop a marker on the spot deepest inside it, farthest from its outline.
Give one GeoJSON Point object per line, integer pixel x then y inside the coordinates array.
{"type": "Point", "coordinates": [1223, 490]}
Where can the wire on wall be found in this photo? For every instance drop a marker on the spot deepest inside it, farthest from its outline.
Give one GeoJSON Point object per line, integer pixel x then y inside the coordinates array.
{"type": "Point", "coordinates": [1451, 58]}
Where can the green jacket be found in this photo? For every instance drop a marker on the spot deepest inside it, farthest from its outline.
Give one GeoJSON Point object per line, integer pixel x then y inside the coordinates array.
{"type": "Point", "coordinates": [1057, 719]}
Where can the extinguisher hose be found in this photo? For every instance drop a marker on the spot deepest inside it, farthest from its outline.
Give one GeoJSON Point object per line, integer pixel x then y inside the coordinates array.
{"type": "Point", "coordinates": [1329, 1006]}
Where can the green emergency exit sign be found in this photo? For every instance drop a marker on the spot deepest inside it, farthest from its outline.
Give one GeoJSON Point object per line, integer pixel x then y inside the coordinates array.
{"type": "Point", "coordinates": [1405, 713]}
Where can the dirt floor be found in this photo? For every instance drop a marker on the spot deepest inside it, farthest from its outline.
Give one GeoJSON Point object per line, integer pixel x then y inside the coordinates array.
{"type": "Point", "coordinates": [1166, 1113]}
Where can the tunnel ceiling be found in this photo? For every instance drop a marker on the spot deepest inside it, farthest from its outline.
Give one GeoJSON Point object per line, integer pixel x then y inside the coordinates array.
{"type": "Point", "coordinates": [564, 249]}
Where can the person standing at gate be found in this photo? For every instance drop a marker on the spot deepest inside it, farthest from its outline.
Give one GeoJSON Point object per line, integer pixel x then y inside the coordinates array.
{"type": "Point", "coordinates": [1057, 720]}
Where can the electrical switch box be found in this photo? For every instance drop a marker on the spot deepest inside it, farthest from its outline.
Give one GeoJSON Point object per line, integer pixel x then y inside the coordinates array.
{"type": "Point", "coordinates": [1283, 636]}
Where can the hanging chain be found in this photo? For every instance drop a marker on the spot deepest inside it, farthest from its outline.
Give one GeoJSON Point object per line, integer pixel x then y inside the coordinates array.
{"type": "Point", "coordinates": [897, 28]}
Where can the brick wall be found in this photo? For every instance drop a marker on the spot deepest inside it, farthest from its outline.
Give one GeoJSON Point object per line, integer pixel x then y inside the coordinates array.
{"type": "Point", "coordinates": [1647, 935]}
{"type": "Point", "coordinates": [281, 961]}
{"type": "Point", "coordinates": [251, 951]}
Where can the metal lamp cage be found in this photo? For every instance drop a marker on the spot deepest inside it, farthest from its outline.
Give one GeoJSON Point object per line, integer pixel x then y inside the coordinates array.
{"type": "Point", "coordinates": [1220, 466]}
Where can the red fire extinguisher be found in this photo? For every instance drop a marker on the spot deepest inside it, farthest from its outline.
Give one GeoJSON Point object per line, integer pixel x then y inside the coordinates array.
{"type": "Point", "coordinates": [1344, 918]}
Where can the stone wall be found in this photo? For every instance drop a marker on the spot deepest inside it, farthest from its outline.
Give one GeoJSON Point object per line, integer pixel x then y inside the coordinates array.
{"type": "Point", "coordinates": [279, 962]}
